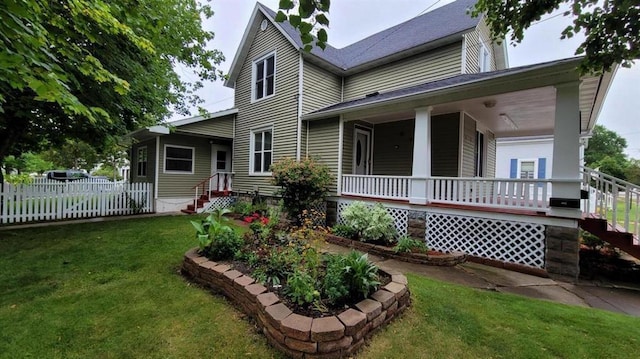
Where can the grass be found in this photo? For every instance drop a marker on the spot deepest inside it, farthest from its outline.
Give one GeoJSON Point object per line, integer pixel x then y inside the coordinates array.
{"type": "Point", "coordinates": [112, 290]}
{"type": "Point", "coordinates": [620, 212]}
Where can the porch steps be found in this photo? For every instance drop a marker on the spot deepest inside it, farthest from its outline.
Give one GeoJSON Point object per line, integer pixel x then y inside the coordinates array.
{"type": "Point", "coordinates": [203, 200]}
{"type": "Point", "coordinates": [601, 229]}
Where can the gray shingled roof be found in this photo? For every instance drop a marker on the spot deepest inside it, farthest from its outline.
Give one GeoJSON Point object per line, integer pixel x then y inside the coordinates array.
{"type": "Point", "coordinates": [431, 26]}
{"type": "Point", "coordinates": [435, 85]}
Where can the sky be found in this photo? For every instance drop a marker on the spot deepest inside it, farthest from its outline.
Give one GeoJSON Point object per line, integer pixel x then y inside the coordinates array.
{"type": "Point", "coordinates": [352, 20]}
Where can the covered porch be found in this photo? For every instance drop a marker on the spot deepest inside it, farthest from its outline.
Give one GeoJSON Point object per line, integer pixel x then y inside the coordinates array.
{"type": "Point", "coordinates": [435, 144]}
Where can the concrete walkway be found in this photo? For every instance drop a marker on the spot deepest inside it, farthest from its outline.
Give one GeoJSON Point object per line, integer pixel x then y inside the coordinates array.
{"type": "Point", "coordinates": [602, 295]}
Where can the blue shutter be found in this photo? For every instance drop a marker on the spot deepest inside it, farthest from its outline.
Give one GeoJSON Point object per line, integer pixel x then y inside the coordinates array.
{"type": "Point", "coordinates": [542, 167]}
{"type": "Point", "coordinates": [513, 173]}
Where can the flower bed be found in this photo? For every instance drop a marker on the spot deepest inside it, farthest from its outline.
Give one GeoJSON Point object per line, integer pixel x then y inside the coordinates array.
{"type": "Point", "coordinates": [296, 335]}
{"type": "Point", "coordinates": [443, 259]}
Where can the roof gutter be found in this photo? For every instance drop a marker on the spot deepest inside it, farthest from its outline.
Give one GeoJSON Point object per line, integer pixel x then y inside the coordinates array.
{"type": "Point", "coordinates": [465, 86]}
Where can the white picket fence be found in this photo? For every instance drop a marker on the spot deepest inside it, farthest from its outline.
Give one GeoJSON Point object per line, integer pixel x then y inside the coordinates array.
{"type": "Point", "coordinates": [53, 201]}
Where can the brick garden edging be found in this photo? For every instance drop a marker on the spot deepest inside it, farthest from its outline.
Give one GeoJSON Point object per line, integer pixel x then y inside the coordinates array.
{"type": "Point", "coordinates": [299, 336]}
{"type": "Point", "coordinates": [448, 260]}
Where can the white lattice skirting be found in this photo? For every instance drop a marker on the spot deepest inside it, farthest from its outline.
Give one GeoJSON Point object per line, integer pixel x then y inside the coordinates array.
{"type": "Point", "coordinates": [217, 203]}
{"type": "Point", "coordinates": [507, 241]}
{"type": "Point", "coordinates": [400, 217]}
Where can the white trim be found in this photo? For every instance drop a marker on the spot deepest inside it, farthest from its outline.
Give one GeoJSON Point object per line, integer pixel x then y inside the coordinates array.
{"type": "Point", "coordinates": [233, 145]}
{"type": "Point", "coordinates": [193, 160]}
{"type": "Point", "coordinates": [156, 181]}
{"type": "Point", "coordinates": [252, 148]}
{"type": "Point", "coordinates": [461, 144]}
{"type": "Point", "coordinates": [463, 69]}
{"type": "Point", "coordinates": [482, 66]}
{"type": "Point", "coordinates": [340, 153]}
{"type": "Point", "coordinates": [253, 76]}
{"type": "Point", "coordinates": [194, 119]}
{"type": "Point", "coordinates": [300, 92]}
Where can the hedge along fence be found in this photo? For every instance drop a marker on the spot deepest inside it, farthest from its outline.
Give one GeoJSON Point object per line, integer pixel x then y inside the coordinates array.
{"type": "Point", "coordinates": [296, 335]}
{"type": "Point", "coordinates": [58, 201]}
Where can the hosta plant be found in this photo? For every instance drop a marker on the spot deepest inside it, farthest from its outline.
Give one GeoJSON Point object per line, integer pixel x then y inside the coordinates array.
{"type": "Point", "coordinates": [371, 223]}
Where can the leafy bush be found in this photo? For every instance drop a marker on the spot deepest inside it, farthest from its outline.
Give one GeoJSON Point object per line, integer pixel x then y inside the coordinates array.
{"type": "Point", "coordinates": [243, 208]}
{"type": "Point", "coordinates": [22, 178]}
{"type": "Point", "coordinates": [303, 184]}
{"type": "Point", "coordinates": [333, 286]}
{"type": "Point", "coordinates": [217, 240]}
{"type": "Point", "coordinates": [371, 223]}
{"type": "Point", "coordinates": [301, 288]}
{"type": "Point", "coordinates": [407, 245]}
{"type": "Point", "coordinates": [361, 276]}
{"type": "Point", "coordinates": [343, 230]}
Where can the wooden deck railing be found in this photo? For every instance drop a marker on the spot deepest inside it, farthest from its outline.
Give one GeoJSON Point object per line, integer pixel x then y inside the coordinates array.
{"type": "Point", "coordinates": [221, 182]}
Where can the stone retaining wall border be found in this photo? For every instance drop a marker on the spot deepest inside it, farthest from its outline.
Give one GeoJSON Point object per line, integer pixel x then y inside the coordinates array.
{"type": "Point", "coordinates": [298, 336]}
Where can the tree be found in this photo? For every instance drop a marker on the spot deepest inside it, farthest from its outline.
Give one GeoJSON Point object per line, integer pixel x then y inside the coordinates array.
{"type": "Point", "coordinates": [611, 27]}
{"type": "Point", "coordinates": [73, 154]}
{"type": "Point", "coordinates": [632, 172]}
{"type": "Point", "coordinates": [604, 143]}
{"type": "Point", "coordinates": [92, 70]}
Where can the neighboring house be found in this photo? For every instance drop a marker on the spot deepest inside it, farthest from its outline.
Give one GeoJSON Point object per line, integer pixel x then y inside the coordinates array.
{"type": "Point", "coordinates": [410, 117]}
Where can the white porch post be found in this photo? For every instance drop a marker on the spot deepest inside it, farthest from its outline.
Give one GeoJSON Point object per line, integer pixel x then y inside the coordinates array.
{"type": "Point", "coordinates": [421, 170]}
{"type": "Point", "coordinates": [566, 149]}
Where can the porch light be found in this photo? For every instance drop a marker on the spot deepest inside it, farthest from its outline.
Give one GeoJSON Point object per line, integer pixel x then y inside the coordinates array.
{"type": "Point", "coordinates": [508, 121]}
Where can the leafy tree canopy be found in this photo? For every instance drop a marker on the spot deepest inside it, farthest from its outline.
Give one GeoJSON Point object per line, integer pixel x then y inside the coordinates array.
{"type": "Point", "coordinates": [611, 27]}
{"type": "Point", "coordinates": [94, 69]}
{"type": "Point", "coordinates": [604, 143]}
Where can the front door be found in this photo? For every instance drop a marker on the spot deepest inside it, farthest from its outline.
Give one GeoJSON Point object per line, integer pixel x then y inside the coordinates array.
{"type": "Point", "coordinates": [221, 162]}
{"type": "Point", "coordinates": [362, 151]}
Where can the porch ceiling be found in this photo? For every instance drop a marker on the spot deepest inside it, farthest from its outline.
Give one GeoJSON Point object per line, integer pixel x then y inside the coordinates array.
{"type": "Point", "coordinates": [531, 112]}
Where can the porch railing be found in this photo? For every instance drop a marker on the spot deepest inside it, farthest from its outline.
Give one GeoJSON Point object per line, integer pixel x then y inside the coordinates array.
{"type": "Point", "coordinates": [613, 199]}
{"type": "Point", "coordinates": [384, 187]}
{"type": "Point", "coordinates": [219, 182]}
{"type": "Point", "coordinates": [486, 192]}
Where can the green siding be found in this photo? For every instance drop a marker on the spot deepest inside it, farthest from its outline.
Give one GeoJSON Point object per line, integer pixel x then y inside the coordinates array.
{"type": "Point", "coordinates": [347, 148]}
{"type": "Point", "coordinates": [178, 184]}
{"type": "Point", "coordinates": [445, 134]}
{"type": "Point", "coordinates": [481, 35]}
{"type": "Point", "coordinates": [280, 110]}
{"type": "Point", "coordinates": [433, 65]}
{"type": "Point", "coordinates": [468, 147]}
{"type": "Point", "coordinates": [491, 155]}
{"type": "Point", "coordinates": [321, 88]}
{"type": "Point", "coordinates": [324, 139]}
{"type": "Point", "coordinates": [393, 148]}
{"type": "Point", "coordinates": [217, 127]}
{"type": "Point", "coordinates": [151, 158]}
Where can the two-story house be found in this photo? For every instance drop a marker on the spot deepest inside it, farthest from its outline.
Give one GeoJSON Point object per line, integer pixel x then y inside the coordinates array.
{"type": "Point", "coordinates": [408, 116]}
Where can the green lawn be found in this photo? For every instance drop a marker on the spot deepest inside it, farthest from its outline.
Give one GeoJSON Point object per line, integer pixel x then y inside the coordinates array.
{"type": "Point", "coordinates": [112, 290]}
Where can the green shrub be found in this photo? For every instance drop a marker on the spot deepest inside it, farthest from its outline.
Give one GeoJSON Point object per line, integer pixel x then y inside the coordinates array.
{"type": "Point", "coordinates": [371, 223]}
{"type": "Point", "coordinates": [344, 230]}
{"type": "Point", "coordinates": [407, 244]}
{"type": "Point", "coordinates": [360, 275]}
{"type": "Point", "coordinates": [301, 288]}
{"type": "Point", "coordinates": [303, 184]}
{"type": "Point", "coordinates": [217, 240]}
{"type": "Point", "coordinates": [22, 178]}
{"type": "Point", "coordinates": [334, 287]}
{"type": "Point", "coordinates": [242, 207]}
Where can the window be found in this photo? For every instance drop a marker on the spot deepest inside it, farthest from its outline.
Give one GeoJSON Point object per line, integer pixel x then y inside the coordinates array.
{"type": "Point", "coordinates": [527, 169]}
{"type": "Point", "coordinates": [221, 160]}
{"type": "Point", "coordinates": [484, 60]}
{"type": "Point", "coordinates": [264, 71]}
{"type": "Point", "coordinates": [479, 154]}
{"type": "Point", "coordinates": [142, 162]}
{"type": "Point", "coordinates": [178, 159]}
{"type": "Point", "coordinates": [261, 151]}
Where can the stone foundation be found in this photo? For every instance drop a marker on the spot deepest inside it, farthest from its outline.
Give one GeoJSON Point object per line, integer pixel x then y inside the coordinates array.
{"type": "Point", "coordinates": [563, 251]}
{"type": "Point", "coordinates": [447, 260]}
{"type": "Point", "coordinates": [298, 336]}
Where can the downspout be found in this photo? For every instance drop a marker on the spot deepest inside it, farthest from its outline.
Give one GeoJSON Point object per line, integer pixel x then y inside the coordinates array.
{"type": "Point", "coordinates": [300, 84]}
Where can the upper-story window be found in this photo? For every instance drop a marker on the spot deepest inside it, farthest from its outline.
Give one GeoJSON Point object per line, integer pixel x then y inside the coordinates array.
{"type": "Point", "coordinates": [484, 59]}
{"type": "Point", "coordinates": [142, 162]}
{"type": "Point", "coordinates": [261, 151]}
{"type": "Point", "coordinates": [264, 77]}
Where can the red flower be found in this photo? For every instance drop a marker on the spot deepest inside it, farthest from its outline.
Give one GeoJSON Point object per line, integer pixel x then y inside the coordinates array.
{"type": "Point", "coordinates": [248, 219]}
{"type": "Point", "coordinates": [264, 220]}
